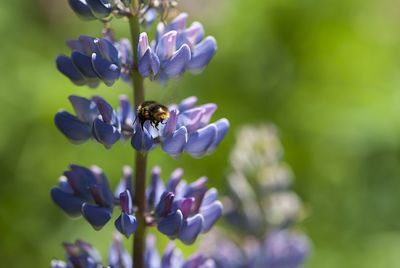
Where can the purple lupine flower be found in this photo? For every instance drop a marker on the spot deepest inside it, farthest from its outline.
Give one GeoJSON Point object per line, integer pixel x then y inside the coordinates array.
{"type": "Point", "coordinates": [182, 210]}
{"type": "Point", "coordinates": [126, 223]}
{"type": "Point", "coordinates": [187, 129]}
{"type": "Point", "coordinates": [202, 50]}
{"type": "Point", "coordinates": [79, 255]}
{"type": "Point", "coordinates": [86, 192]}
{"type": "Point", "coordinates": [94, 118]}
{"type": "Point", "coordinates": [91, 9]}
{"type": "Point", "coordinates": [92, 60]}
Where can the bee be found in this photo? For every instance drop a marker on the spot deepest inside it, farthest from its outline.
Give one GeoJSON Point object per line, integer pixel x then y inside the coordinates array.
{"type": "Point", "coordinates": [154, 112]}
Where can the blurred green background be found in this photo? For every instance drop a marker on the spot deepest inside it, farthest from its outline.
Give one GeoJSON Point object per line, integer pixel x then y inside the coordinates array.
{"type": "Point", "coordinates": [327, 73]}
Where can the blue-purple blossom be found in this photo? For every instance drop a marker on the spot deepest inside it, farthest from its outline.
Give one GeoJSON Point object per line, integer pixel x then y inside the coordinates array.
{"type": "Point", "coordinates": [83, 191]}
{"type": "Point", "coordinates": [92, 60]}
{"type": "Point", "coordinates": [187, 130]}
{"type": "Point", "coordinates": [86, 192]}
{"type": "Point", "coordinates": [95, 118]}
{"type": "Point", "coordinates": [175, 50]}
{"type": "Point", "coordinates": [91, 9]}
{"type": "Point", "coordinates": [183, 211]}
{"type": "Point", "coordinates": [126, 223]}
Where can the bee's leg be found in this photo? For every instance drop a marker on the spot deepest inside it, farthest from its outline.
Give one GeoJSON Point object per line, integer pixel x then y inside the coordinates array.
{"type": "Point", "coordinates": [156, 125]}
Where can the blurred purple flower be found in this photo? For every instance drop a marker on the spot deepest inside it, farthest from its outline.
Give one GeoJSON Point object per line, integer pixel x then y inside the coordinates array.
{"type": "Point", "coordinates": [92, 60]}
{"type": "Point", "coordinates": [79, 255]}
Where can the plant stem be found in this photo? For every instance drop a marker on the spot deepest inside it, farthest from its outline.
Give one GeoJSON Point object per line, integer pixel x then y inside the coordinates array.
{"type": "Point", "coordinates": [139, 241]}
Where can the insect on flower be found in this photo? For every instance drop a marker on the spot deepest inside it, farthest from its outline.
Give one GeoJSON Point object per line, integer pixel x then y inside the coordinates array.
{"type": "Point", "coordinates": [154, 112]}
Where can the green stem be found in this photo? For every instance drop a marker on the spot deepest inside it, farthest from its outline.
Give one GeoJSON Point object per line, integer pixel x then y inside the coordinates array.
{"type": "Point", "coordinates": [139, 241]}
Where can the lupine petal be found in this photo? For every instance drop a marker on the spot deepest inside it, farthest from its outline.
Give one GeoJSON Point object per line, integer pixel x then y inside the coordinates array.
{"type": "Point", "coordinates": [126, 224]}
{"type": "Point", "coordinates": [171, 224]}
{"type": "Point", "coordinates": [202, 54]}
{"type": "Point", "coordinates": [187, 104]}
{"type": "Point", "coordinates": [65, 66]}
{"type": "Point", "coordinates": [107, 50]}
{"type": "Point", "coordinates": [100, 8]}
{"type": "Point", "coordinates": [166, 46]}
{"type": "Point", "coordinates": [194, 34]}
{"type": "Point", "coordinates": [85, 109]}
{"type": "Point", "coordinates": [164, 207]}
{"type": "Point", "coordinates": [81, 9]}
{"type": "Point", "coordinates": [141, 139]}
{"type": "Point", "coordinates": [174, 180]}
{"type": "Point", "coordinates": [87, 45]}
{"type": "Point", "coordinates": [191, 119]}
{"type": "Point", "coordinates": [108, 72]}
{"type": "Point", "coordinates": [84, 64]}
{"type": "Point", "coordinates": [191, 229]}
{"type": "Point", "coordinates": [209, 110]}
{"type": "Point", "coordinates": [74, 129]}
{"type": "Point", "coordinates": [185, 206]}
{"type": "Point", "coordinates": [95, 215]}
{"type": "Point", "coordinates": [176, 65]}
{"type": "Point", "coordinates": [125, 201]}
{"type": "Point", "coordinates": [105, 109]}
{"type": "Point", "coordinates": [67, 202]}
{"type": "Point", "coordinates": [143, 44]}
{"type": "Point", "coordinates": [210, 196]}
{"type": "Point", "coordinates": [170, 126]}
{"type": "Point", "coordinates": [149, 64]}
{"type": "Point", "coordinates": [175, 144]}
{"type": "Point", "coordinates": [199, 141]}
{"type": "Point", "coordinates": [222, 129]}
{"type": "Point", "coordinates": [211, 214]}
{"type": "Point", "coordinates": [105, 133]}
{"type": "Point", "coordinates": [178, 23]}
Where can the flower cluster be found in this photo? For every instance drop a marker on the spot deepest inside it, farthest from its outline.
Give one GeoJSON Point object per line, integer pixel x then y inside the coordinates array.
{"type": "Point", "coordinates": [180, 210]}
{"type": "Point", "coordinates": [86, 192]}
{"type": "Point", "coordinates": [183, 210]}
{"type": "Point", "coordinates": [187, 130]}
{"type": "Point", "coordinates": [260, 207]}
{"type": "Point", "coordinates": [175, 49]}
{"type": "Point", "coordinates": [81, 254]}
{"type": "Point", "coordinates": [92, 60]}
